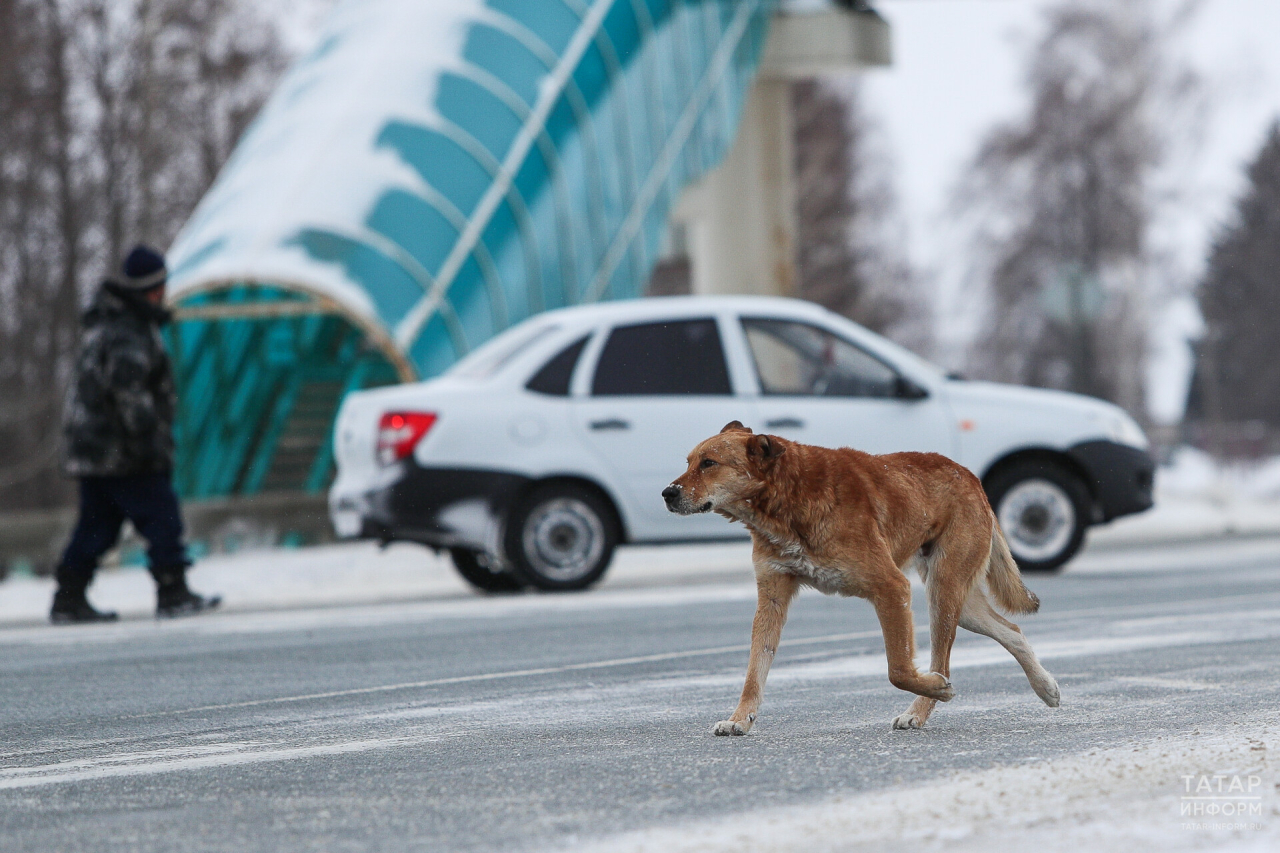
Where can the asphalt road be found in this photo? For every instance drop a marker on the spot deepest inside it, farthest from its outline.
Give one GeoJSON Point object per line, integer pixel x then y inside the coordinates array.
{"type": "Point", "coordinates": [543, 722]}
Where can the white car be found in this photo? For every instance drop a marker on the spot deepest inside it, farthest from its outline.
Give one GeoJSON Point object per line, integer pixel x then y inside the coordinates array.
{"type": "Point", "coordinates": [540, 452]}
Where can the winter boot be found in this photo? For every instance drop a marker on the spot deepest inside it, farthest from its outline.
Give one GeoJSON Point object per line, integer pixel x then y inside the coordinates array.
{"type": "Point", "coordinates": [173, 599]}
{"type": "Point", "coordinates": [70, 607]}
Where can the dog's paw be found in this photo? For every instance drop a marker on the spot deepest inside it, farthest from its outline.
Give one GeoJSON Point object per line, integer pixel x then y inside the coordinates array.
{"type": "Point", "coordinates": [944, 692]}
{"type": "Point", "coordinates": [727, 728]}
{"type": "Point", "coordinates": [1047, 690]}
{"type": "Point", "coordinates": [908, 721]}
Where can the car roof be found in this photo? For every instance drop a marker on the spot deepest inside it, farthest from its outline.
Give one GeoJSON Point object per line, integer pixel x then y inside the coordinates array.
{"type": "Point", "coordinates": [571, 321]}
{"type": "Point", "coordinates": [664, 306]}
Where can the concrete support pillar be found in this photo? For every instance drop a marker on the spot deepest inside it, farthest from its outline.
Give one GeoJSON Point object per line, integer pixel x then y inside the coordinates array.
{"type": "Point", "coordinates": [740, 219]}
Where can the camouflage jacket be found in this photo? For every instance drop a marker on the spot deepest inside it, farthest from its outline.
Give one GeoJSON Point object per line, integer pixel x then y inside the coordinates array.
{"type": "Point", "coordinates": [120, 407]}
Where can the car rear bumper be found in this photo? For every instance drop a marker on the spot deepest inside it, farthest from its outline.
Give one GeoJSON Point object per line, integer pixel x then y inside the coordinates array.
{"type": "Point", "coordinates": [440, 507]}
{"type": "Point", "coordinates": [1121, 477]}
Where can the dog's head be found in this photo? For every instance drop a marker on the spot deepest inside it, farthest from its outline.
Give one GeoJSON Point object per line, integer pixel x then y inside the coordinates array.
{"type": "Point", "coordinates": [723, 470]}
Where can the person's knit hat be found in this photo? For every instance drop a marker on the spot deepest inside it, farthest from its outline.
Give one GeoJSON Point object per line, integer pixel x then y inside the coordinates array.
{"type": "Point", "coordinates": [143, 269]}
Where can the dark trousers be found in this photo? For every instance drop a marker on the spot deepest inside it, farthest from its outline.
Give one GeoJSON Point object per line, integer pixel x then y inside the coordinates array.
{"type": "Point", "coordinates": [147, 500]}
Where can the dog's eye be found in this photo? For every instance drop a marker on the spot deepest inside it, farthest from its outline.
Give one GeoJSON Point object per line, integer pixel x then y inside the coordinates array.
{"type": "Point", "coordinates": [707, 463]}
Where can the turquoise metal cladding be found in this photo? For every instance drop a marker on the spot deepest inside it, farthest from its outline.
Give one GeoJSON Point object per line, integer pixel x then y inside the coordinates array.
{"type": "Point", "coordinates": [563, 135]}
{"type": "Point", "coordinates": [431, 174]}
{"type": "Point", "coordinates": [257, 394]}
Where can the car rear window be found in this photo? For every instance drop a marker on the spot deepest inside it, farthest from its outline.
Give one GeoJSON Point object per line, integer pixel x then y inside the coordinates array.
{"type": "Point", "coordinates": [679, 357]}
{"type": "Point", "coordinates": [494, 355]}
{"type": "Point", "coordinates": [553, 378]}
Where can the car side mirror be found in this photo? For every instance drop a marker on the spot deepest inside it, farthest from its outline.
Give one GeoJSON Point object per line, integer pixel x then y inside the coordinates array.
{"type": "Point", "coordinates": [905, 389]}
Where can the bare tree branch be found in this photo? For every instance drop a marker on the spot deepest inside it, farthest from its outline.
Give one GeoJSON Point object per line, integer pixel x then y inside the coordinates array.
{"type": "Point", "coordinates": [115, 116]}
{"type": "Point", "coordinates": [1061, 208]}
{"type": "Point", "coordinates": [850, 258]}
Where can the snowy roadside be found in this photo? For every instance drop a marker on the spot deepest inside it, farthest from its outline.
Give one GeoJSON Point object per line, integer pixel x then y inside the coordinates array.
{"type": "Point", "coordinates": [1160, 794]}
{"type": "Point", "coordinates": [1196, 502]}
{"type": "Point", "coordinates": [1198, 498]}
{"type": "Point", "coordinates": [351, 574]}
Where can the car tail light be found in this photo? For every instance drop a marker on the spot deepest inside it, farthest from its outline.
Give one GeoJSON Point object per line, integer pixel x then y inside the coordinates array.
{"type": "Point", "coordinates": [398, 432]}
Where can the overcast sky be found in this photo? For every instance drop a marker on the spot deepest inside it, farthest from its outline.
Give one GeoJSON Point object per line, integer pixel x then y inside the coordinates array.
{"type": "Point", "coordinates": [958, 70]}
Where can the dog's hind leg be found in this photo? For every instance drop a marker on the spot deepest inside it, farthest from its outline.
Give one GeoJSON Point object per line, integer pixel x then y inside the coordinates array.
{"type": "Point", "coordinates": [774, 593]}
{"type": "Point", "coordinates": [980, 617]}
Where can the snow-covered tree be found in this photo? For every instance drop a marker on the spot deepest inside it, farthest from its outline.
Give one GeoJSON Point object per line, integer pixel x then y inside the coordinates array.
{"type": "Point", "coordinates": [1061, 205]}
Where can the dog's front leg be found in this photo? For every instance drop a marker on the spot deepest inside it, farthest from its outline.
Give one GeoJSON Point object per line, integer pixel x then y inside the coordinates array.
{"type": "Point", "coordinates": [775, 591]}
{"type": "Point", "coordinates": [891, 598]}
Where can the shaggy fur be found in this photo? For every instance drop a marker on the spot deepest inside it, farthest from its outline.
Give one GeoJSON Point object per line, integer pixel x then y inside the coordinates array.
{"type": "Point", "coordinates": [849, 523]}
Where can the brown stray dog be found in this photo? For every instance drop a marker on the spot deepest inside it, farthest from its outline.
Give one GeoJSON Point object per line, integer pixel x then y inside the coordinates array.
{"type": "Point", "coordinates": [848, 523]}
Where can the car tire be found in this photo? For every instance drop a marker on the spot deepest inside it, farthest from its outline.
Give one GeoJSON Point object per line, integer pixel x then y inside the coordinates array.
{"type": "Point", "coordinates": [475, 570]}
{"type": "Point", "coordinates": [1044, 510]}
{"type": "Point", "coordinates": [561, 538]}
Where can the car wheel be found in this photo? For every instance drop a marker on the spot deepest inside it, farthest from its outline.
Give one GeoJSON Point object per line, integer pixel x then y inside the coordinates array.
{"type": "Point", "coordinates": [1043, 510]}
{"type": "Point", "coordinates": [561, 538]}
{"type": "Point", "coordinates": [475, 570]}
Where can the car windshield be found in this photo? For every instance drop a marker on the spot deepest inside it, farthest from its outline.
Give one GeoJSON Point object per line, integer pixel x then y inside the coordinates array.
{"type": "Point", "coordinates": [497, 353]}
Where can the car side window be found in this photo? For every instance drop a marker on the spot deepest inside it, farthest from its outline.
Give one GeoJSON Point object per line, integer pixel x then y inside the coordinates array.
{"type": "Point", "coordinates": [679, 357]}
{"type": "Point", "coordinates": [553, 377]}
{"type": "Point", "coordinates": [797, 359]}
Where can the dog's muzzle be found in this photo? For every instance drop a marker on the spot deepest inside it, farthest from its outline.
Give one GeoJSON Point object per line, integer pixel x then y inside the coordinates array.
{"type": "Point", "coordinates": [675, 498]}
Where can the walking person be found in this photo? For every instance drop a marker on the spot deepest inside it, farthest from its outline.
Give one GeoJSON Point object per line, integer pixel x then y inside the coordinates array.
{"type": "Point", "coordinates": [119, 436]}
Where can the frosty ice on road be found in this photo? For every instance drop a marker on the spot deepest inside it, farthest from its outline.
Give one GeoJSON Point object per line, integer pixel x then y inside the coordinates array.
{"type": "Point", "coordinates": [564, 722]}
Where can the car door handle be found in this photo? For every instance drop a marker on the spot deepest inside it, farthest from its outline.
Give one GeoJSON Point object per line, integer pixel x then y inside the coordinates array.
{"type": "Point", "coordinates": [611, 423]}
{"type": "Point", "coordinates": [784, 423]}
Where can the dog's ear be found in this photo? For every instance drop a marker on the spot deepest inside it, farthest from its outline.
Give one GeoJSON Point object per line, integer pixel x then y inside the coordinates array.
{"type": "Point", "coordinates": [766, 448]}
{"type": "Point", "coordinates": [734, 426]}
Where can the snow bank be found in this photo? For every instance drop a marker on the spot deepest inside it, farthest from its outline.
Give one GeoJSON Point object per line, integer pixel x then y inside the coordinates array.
{"type": "Point", "coordinates": [355, 573]}
{"type": "Point", "coordinates": [1198, 497]}
{"type": "Point", "coordinates": [1194, 473]}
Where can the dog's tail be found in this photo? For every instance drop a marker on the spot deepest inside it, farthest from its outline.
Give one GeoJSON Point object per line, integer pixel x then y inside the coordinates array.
{"type": "Point", "coordinates": [1003, 578]}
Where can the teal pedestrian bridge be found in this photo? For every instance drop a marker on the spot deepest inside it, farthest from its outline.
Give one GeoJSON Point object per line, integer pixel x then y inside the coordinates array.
{"type": "Point", "coordinates": [430, 174]}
